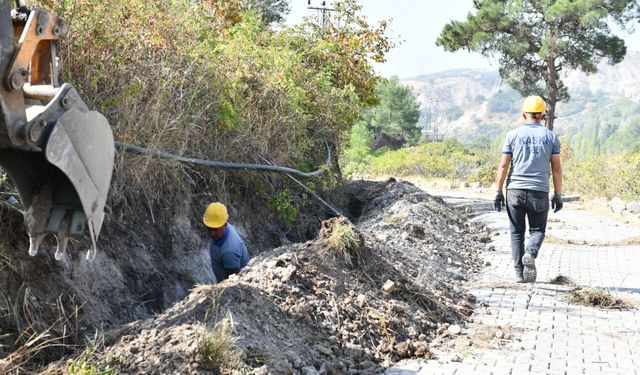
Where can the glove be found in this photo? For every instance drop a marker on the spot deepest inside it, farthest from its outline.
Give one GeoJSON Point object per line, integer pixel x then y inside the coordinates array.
{"type": "Point", "coordinates": [556, 202]}
{"type": "Point", "coordinates": [498, 202]}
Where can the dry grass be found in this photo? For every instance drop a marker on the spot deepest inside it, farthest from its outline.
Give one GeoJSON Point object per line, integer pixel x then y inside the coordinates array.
{"type": "Point", "coordinates": [342, 241]}
{"type": "Point", "coordinates": [562, 280]}
{"type": "Point", "coordinates": [396, 218]}
{"type": "Point", "coordinates": [561, 241]}
{"type": "Point", "coordinates": [596, 297]}
{"type": "Point", "coordinates": [207, 92]}
{"type": "Point", "coordinates": [42, 331]}
{"type": "Point", "coordinates": [490, 336]}
{"type": "Point", "coordinates": [217, 347]}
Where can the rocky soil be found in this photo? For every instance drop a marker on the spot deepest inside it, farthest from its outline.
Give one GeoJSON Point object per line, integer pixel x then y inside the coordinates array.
{"type": "Point", "coordinates": [354, 300]}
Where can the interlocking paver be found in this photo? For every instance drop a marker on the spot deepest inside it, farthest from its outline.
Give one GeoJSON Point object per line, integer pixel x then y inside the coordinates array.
{"type": "Point", "coordinates": [551, 335]}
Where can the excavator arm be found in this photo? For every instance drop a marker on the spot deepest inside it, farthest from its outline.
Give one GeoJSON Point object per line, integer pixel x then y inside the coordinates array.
{"type": "Point", "coordinates": [57, 152]}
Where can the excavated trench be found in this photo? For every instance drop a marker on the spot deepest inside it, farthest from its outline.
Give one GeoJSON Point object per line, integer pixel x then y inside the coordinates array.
{"type": "Point", "coordinates": [302, 307]}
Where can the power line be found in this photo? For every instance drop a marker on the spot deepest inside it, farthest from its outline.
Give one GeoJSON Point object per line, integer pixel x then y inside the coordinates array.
{"type": "Point", "coordinates": [323, 11]}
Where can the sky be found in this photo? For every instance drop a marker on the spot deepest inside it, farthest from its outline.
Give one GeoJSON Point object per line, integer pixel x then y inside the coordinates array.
{"type": "Point", "coordinates": [415, 25]}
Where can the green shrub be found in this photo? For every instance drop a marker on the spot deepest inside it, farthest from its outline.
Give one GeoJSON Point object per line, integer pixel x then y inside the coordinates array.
{"type": "Point", "coordinates": [86, 367]}
{"type": "Point", "coordinates": [225, 87]}
{"type": "Point", "coordinates": [448, 159]}
{"type": "Point", "coordinates": [485, 175]}
{"type": "Point", "coordinates": [607, 176]}
{"type": "Point", "coordinates": [285, 208]}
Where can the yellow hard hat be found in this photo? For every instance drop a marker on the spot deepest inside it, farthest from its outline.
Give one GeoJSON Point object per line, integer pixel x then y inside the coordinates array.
{"type": "Point", "coordinates": [216, 215]}
{"type": "Point", "coordinates": [534, 104]}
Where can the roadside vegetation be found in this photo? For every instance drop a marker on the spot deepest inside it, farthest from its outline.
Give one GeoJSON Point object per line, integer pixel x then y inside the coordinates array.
{"type": "Point", "coordinates": [219, 81]}
{"type": "Point", "coordinates": [211, 80]}
{"type": "Point", "coordinates": [600, 133]}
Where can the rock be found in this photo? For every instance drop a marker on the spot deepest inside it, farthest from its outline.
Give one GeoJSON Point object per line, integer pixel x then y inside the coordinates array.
{"type": "Point", "coordinates": [389, 287]}
{"type": "Point", "coordinates": [455, 273]}
{"type": "Point", "coordinates": [454, 329]}
{"type": "Point", "coordinates": [323, 349]}
{"type": "Point", "coordinates": [403, 350]}
{"type": "Point", "coordinates": [309, 370]}
{"type": "Point", "coordinates": [617, 205]}
{"type": "Point", "coordinates": [633, 207]}
{"type": "Point", "coordinates": [353, 351]}
{"type": "Point", "coordinates": [499, 334]}
{"type": "Point", "coordinates": [281, 367]}
{"type": "Point", "coordinates": [286, 273]}
{"type": "Point", "coordinates": [333, 368]}
{"type": "Point", "coordinates": [361, 300]}
{"type": "Point", "coordinates": [294, 358]}
{"type": "Point", "coordinates": [421, 349]}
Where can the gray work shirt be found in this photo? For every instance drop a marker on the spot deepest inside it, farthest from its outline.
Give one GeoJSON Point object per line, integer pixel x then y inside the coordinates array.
{"type": "Point", "coordinates": [530, 147]}
{"type": "Point", "coordinates": [228, 253]}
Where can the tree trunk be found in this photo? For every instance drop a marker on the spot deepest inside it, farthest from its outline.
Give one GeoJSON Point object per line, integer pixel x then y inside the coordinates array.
{"type": "Point", "coordinates": [552, 88]}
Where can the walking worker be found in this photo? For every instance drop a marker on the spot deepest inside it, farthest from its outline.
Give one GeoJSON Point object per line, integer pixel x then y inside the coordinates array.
{"type": "Point", "coordinates": [228, 252]}
{"type": "Point", "coordinates": [530, 154]}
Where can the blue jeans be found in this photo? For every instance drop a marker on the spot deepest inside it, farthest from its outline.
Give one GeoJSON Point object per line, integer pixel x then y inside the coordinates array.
{"type": "Point", "coordinates": [534, 206]}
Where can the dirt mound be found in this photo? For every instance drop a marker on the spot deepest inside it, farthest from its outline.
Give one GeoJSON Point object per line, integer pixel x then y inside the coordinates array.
{"type": "Point", "coordinates": [354, 300]}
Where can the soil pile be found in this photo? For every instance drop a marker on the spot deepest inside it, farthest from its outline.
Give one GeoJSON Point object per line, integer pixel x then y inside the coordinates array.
{"type": "Point", "coordinates": [354, 300]}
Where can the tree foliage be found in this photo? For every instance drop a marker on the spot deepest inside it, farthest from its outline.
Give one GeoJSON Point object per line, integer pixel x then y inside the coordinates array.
{"type": "Point", "coordinates": [536, 40]}
{"type": "Point", "coordinates": [354, 45]}
{"type": "Point", "coordinates": [614, 130]}
{"type": "Point", "coordinates": [397, 112]}
{"type": "Point", "coordinates": [272, 11]}
{"type": "Point", "coordinates": [225, 87]}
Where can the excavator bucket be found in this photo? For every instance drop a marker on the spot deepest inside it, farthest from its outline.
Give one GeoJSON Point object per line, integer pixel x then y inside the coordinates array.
{"type": "Point", "coordinates": [57, 152]}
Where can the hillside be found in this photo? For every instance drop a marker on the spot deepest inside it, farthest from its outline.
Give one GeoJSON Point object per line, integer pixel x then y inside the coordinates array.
{"type": "Point", "coordinates": [475, 105]}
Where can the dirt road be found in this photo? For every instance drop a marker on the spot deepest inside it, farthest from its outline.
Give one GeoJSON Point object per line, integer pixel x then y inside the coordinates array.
{"type": "Point", "coordinates": [534, 328]}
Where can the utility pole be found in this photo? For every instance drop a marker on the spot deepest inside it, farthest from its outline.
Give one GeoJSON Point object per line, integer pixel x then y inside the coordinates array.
{"type": "Point", "coordinates": [431, 106]}
{"type": "Point", "coordinates": [435, 103]}
{"type": "Point", "coordinates": [322, 11]}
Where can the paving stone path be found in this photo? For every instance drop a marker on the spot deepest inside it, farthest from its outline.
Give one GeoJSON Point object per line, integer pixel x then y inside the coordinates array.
{"type": "Point", "coordinates": [532, 328]}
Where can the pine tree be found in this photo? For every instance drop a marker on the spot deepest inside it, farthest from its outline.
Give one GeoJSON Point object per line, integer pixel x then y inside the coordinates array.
{"type": "Point", "coordinates": [536, 40]}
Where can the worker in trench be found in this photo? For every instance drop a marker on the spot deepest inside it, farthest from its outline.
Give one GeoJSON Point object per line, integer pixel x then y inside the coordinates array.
{"type": "Point", "coordinates": [228, 252]}
{"type": "Point", "coordinates": [531, 153]}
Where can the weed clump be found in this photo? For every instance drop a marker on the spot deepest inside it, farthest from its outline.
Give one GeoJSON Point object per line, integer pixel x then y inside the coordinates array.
{"type": "Point", "coordinates": [217, 348]}
{"type": "Point", "coordinates": [562, 280]}
{"type": "Point", "coordinates": [599, 298]}
{"type": "Point", "coordinates": [342, 241]}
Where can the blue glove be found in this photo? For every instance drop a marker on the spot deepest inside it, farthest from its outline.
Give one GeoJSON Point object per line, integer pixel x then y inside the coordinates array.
{"type": "Point", "coordinates": [556, 202]}
{"type": "Point", "coordinates": [498, 201]}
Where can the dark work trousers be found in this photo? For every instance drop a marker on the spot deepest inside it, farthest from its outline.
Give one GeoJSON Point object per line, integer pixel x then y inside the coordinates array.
{"type": "Point", "coordinates": [534, 206]}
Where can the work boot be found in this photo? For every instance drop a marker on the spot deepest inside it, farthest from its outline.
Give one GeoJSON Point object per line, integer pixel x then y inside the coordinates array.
{"type": "Point", "coordinates": [519, 278]}
{"type": "Point", "coordinates": [529, 273]}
